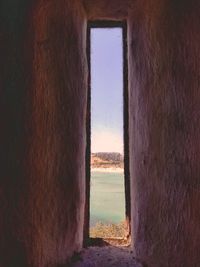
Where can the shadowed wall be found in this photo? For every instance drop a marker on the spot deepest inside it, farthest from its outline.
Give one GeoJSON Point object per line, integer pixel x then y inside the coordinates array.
{"type": "Point", "coordinates": [42, 116]}
{"type": "Point", "coordinates": [15, 81]}
{"type": "Point", "coordinates": [164, 53]}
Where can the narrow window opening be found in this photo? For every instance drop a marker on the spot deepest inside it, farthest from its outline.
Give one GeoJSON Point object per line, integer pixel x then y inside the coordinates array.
{"type": "Point", "coordinates": [107, 170]}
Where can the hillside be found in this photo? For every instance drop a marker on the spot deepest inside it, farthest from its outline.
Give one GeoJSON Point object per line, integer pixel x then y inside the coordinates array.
{"type": "Point", "coordinates": [107, 160]}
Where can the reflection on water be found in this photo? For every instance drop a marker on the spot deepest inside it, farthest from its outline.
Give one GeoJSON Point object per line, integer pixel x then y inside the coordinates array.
{"type": "Point", "coordinates": [107, 199]}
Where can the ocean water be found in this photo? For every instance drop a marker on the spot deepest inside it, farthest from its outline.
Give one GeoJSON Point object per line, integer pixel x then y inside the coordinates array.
{"type": "Point", "coordinates": [107, 197]}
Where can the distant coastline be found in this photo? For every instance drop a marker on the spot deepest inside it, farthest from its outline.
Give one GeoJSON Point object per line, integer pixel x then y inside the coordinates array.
{"type": "Point", "coordinates": [107, 162]}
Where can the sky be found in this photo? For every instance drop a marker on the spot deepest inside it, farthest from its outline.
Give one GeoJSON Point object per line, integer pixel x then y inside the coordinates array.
{"type": "Point", "coordinates": [106, 90]}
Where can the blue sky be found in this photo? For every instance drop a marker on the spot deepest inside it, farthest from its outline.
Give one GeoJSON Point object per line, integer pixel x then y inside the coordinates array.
{"type": "Point", "coordinates": [106, 90]}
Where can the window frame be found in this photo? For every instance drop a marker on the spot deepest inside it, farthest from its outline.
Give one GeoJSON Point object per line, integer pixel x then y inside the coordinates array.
{"type": "Point", "coordinates": [123, 26]}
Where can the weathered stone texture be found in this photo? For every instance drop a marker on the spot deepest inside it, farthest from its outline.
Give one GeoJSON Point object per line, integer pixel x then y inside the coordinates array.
{"type": "Point", "coordinates": [106, 9]}
{"type": "Point", "coordinates": [43, 116]}
{"type": "Point", "coordinates": [164, 72]}
{"type": "Point", "coordinates": [43, 95]}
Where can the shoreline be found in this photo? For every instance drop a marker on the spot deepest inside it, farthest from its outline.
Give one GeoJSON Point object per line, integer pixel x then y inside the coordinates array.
{"type": "Point", "coordinates": [111, 170]}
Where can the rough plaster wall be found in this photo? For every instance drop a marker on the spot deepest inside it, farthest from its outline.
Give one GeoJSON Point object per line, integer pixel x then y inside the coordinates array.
{"type": "Point", "coordinates": [42, 114]}
{"type": "Point", "coordinates": [106, 9]}
{"type": "Point", "coordinates": [43, 79]}
{"type": "Point", "coordinates": [58, 106]}
{"type": "Point", "coordinates": [164, 72]}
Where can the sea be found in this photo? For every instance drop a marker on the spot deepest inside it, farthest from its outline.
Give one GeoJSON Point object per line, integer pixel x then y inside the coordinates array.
{"type": "Point", "coordinates": [107, 197]}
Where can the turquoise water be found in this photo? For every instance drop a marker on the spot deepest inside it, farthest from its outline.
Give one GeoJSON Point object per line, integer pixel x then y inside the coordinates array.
{"type": "Point", "coordinates": [107, 199]}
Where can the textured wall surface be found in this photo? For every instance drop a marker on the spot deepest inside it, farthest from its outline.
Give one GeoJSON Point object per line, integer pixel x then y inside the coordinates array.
{"type": "Point", "coordinates": [164, 72]}
{"type": "Point", "coordinates": [43, 91]}
{"type": "Point", "coordinates": [106, 9]}
{"type": "Point", "coordinates": [42, 138]}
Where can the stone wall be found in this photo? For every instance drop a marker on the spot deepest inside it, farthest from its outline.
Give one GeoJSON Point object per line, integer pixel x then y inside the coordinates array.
{"type": "Point", "coordinates": [42, 102]}
{"type": "Point", "coordinates": [43, 95]}
{"type": "Point", "coordinates": [164, 100]}
{"type": "Point", "coordinates": [164, 72]}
